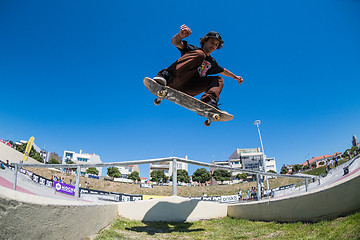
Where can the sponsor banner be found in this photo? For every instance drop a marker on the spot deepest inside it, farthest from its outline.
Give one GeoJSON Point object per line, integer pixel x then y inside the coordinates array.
{"type": "Point", "coordinates": [148, 197]}
{"type": "Point", "coordinates": [216, 198]}
{"type": "Point", "coordinates": [64, 188]}
{"type": "Point", "coordinates": [96, 192]}
{"type": "Point", "coordinates": [35, 178]}
{"type": "Point", "coordinates": [146, 185]}
{"type": "Point", "coordinates": [28, 148]}
{"type": "Point", "coordinates": [207, 199]}
{"type": "Point", "coordinates": [93, 176]}
{"type": "Point", "coordinates": [196, 198]}
{"type": "Point", "coordinates": [49, 183]}
{"type": "Point", "coordinates": [232, 198]}
{"type": "Point", "coordinates": [210, 198]}
{"type": "Point", "coordinates": [120, 197]}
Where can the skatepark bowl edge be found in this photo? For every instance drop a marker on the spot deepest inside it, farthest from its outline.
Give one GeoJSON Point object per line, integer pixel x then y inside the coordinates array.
{"type": "Point", "coordinates": [31, 216]}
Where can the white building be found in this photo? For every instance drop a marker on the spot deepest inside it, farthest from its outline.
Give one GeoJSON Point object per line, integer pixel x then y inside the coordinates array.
{"type": "Point", "coordinates": [248, 159]}
{"type": "Point", "coordinates": [252, 159]}
{"type": "Point", "coordinates": [167, 167]}
{"type": "Point", "coordinates": [127, 170]}
{"type": "Point", "coordinates": [82, 158]}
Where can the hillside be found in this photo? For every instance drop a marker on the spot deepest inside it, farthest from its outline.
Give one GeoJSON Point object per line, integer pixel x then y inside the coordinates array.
{"type": "Point", "coordinates": [161, 190]}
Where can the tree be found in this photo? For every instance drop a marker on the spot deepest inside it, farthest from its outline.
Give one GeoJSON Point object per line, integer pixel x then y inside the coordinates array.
{"type": "Point", "coordinates": [182, 176]}
{"type": "Point", "coordinates": [71, 162]}
{"type": "Point", "coordinates": [284, 170]}
{"type": "Point", "coordinates": [158, 175]}
{"type": "Point", "coordinates": [353, 149]}
{"type": "Point", "coordinates": [53, 161]}
{"type": "Point", "coordinates": [306, 167]}
{"type": "Point", "coordinates": [134, 176]}
{"type": "Point", "coordinates": [242, 176]}
{"type": "Point", "coordinates": [37, 157]}
{"type": "Point", "coordinates": [271, 171]}
{"type": "Point", "coordinates": [201, 175]}
{"type": "Point", "coordinates": [92, 170]}
{"type": "Point", "coordinates": [296, 168]}
{"type": "Point", "coordinates": [113, 172]}
{"type": "Point", "coordinates": [33, 154]}
{"type": "Point", "coordinates": [313, 165]}
{"type": "Point", "coordinates": [222, 175]}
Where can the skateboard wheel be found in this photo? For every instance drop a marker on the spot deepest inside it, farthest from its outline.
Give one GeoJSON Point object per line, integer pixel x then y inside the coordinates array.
{"type": "Point", "coordinates": [161, 93]}
{"type": "Point", "coordinates": [157, 102]}
{"type": "Point", "coordinates": [216, 117]}
{"type": "Point", "coordinates": [207, 123]}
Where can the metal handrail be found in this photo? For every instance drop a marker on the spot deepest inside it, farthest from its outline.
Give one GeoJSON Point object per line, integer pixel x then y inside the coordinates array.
{"type": "Point", "coordinates": [78, 166]}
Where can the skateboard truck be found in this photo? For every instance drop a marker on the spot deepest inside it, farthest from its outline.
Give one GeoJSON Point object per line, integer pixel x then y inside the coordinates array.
{"type": "Point", "coordinates": [161, 95]}
{"type": "Point", "coordinates": [210, 118]}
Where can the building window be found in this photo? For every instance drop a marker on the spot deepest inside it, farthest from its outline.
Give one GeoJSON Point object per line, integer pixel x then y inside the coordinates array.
{"type": "Point", "coordinates": [68, 156]}
{"type": "Point", "coordinates": [82, 159]}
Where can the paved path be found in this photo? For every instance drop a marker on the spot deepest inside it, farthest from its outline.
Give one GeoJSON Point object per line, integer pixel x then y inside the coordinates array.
{"type": "Point", "coordinates": [334, 175]}
{"type": "Point", "coordinates": [7, 184]}
{"type": "Point", "coordinates": [27, 185]}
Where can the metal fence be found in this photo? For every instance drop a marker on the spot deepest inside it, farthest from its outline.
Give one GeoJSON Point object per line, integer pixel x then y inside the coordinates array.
{"type": "Point", "coordinates": [174, 160]}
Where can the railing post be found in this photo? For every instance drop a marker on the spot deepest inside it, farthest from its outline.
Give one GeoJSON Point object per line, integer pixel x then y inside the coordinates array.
{"type": "Point", "coordinates": [306, 184]}
{"type": "Point", "coordinates": [174, 178]}
{"type": "Point", "coordinates": [258, 186]}
{"type": "Point", "coordinates": [77, 182]}
{"type": "Point", "coordinates": [15, 176]}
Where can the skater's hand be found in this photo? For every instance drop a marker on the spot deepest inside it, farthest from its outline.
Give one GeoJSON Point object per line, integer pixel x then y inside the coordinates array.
{"type": "Point", "coordinates": [185, 31]}
{"type": "Point", "coordinates": [239, 79]}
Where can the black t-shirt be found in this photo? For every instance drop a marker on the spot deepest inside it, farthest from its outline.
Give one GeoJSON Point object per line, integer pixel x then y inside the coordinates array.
{"type": "Point", "coordinates": [209, 65]}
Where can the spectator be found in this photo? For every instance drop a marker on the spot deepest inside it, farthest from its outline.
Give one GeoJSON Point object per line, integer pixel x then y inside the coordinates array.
{"type": "Point", "coordinates": [240, 194]}
{"type": "Point", "coordinates": [248, 194]}
{"type": "Point", "coordinates": [255, 195]}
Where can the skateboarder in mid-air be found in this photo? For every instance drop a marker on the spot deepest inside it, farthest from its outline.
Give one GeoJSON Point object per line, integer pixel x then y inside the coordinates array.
{"type": "Point", "coordinates": [190, 73]}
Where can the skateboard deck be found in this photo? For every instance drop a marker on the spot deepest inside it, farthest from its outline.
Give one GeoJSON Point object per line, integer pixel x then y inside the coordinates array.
{"type": "Point", "coordinates": [164, 92]}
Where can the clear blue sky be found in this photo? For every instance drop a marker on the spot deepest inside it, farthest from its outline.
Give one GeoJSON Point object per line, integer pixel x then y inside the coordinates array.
{"type": "Point", "coordinates": [71, 75]}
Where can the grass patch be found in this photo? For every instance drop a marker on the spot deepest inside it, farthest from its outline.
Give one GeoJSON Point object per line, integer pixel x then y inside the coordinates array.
{"type": "Point", "coordinates": [229, 228]}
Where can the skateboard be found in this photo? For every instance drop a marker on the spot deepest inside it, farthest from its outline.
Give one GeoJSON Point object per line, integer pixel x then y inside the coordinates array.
{"type": "Point", "coordinates": [164, 92]}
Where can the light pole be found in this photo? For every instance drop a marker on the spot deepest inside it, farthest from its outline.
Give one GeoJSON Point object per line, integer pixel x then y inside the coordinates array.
{"type": "Point", "coordinates": [257, 123]}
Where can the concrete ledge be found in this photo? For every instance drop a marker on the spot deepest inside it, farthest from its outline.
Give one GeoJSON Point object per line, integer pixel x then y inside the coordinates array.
{"type": "Point", "coordinates": [25, 216]}
{"type": "Point", "coordinates": [172, 209]}
{"type": "Point", "coordinates": [334, 200]}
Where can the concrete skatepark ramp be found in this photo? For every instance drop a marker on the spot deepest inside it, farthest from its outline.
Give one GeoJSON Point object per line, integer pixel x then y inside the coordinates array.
{"type": "Point", "coordinates": [26, 216]}
{"type": "Point", "coordinates": [45, 216]}
{"type": "Point", "coordinates": [324, 202]}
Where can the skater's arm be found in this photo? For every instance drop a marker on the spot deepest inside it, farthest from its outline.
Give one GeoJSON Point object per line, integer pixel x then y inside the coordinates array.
{"type": "Point", "coordinates": [177, 39]}
{"type": "Point", "coordinates": [227, 73]}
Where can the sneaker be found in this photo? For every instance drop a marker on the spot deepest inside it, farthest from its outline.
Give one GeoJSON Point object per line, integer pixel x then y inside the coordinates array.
{"type": "Point", "coordinates": [213, 103]}
{"type": "Point", "coordinates": [160, 80]}
{"type": "Point", "coordinates": [164, 78]}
